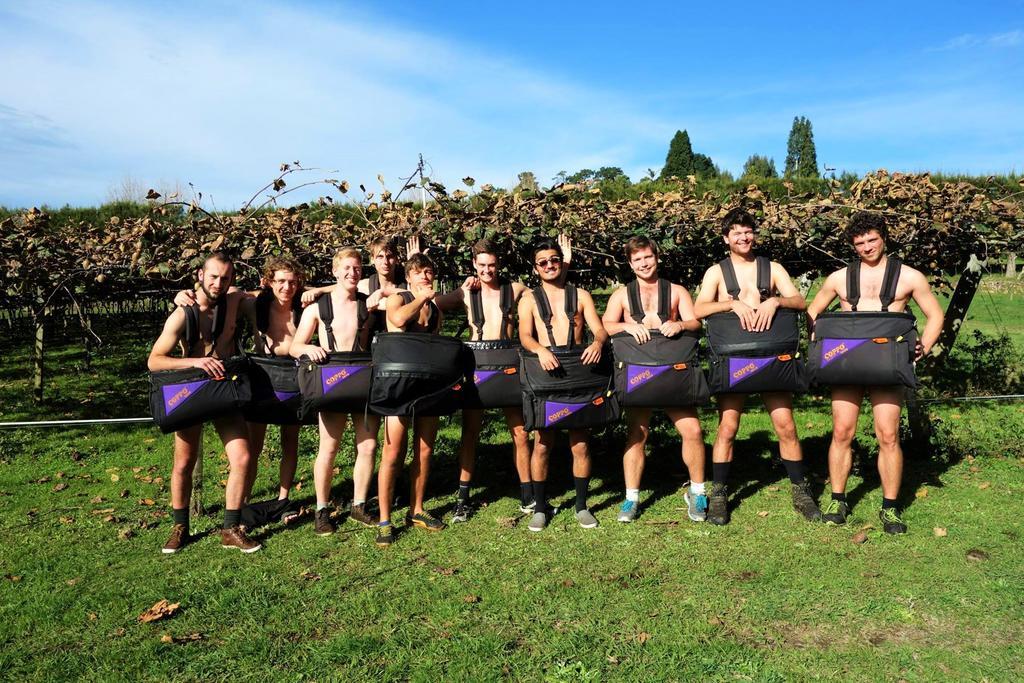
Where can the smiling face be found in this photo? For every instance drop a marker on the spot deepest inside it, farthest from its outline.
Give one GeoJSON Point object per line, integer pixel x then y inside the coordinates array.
{"type": "Point", "coordinates": [486, 267]}
{"type": "Point", "coordinates": [740, 239]}
{"type": "Point", "coordinates": [284, 285]}
{"type": "Point", "coordinates": [869, 246]}
{"type": "Point", "coordinates": [644, 263]}
{"type": "Point", "coordinates": [548, 264]}
{"type": "Point", "coordinates": [215, 277]}
{"type": "Point", "coordinates": [349, 272]}
{"type": "Point", "coordinates": [385, 261]}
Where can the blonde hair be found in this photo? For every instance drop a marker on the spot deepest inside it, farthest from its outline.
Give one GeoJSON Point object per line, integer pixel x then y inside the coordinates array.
{"type": "Point", "coordinates": [344, 253]}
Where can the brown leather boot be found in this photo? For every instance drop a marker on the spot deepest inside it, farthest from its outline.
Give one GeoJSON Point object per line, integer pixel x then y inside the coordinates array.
{"type": "Point", "coordinates": [179, 537]}
{"type": "Point", "coordinates": [235, 538]}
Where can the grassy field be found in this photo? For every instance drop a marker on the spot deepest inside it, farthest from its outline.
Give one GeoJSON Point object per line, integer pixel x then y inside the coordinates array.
{"type": "Point", "coordinates": [769, 597]}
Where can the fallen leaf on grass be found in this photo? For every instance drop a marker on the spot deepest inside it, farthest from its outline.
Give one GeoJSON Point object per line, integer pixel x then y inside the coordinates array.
{"type": "Point", "coordinates": [860, 537]}
{"type": "Point", "coordinates": [72, 582]}
{"type": "Point", "coordinates": [59, 475]}
{"type": "Point", "coordinates": [125, 493]}
{"type": "Point", "coordinates": [975, 468]}
{"type": "Point", "coordinates": [568, 583]}
{"type": "Point", "coordinates": [42, 480]}
{"type": "Point", "coordinates": [104, 511]}
{"type": "Point", "coordinates": [93, 616]}
{"type": "Point", "coordinates": [921, 492]}
{"type": "Point", "coordinates": [975, 555]}
{"type": "Point", "coordinates": [762, 513]}
{"type": "Point", "coordinates": [774, 489]}
{"type": "Point", "coordinates": [983, 485]}
{"type": "Point", "coordinates": [59, 487]}
{"type": "Point", "coordinates": [471, 599]}
{"type": "Point", "coordinates": [161, 609]}
{"type": "Point", "coordinates": [508, 522]}
{"type": "Point", "coordinates": [867, 527]}
{"type": "Point", "coordinates": [309, 576]}
{"type": "Point", "coordinates": [871, 575]}
{"type": "Point", "coordinates": [191, 637]}
{"type": "Point", "coordinates": [125, 533]}
{"type": "Point", "coordinates": [12, 578]}
{"type": "Point", "coordinates": [115, 478]}
{"type": "Point", "coordinates": [446, 571]}
{"type": "Point", "coordinates": [111, 519]}
{"type": "Point", "coordinates": [642, 637]}
{"type": "Point", "coordinates": [117, 633]}
{"type": "Point", "coordinates": [96, 500]}
{"type": "Point", "coordinates": [67, 520]}
{"type": "Point", "coordinates": [940, 532]}
{"type": "Point", "coordinates": [716, 621]}
{"type": "Point", "coordinates": [136, 470]}
{"type": "Point", "coordinates": [147, 501]}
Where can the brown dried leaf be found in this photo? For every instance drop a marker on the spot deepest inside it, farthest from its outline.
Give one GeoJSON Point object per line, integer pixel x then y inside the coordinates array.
{"type": "Point", "coordinates": [446, 571]}
{"type": "Point", "coordinates": [147, 502]}
{"type": "Point", "coordinates": [96, 500]}
{"type": "Point", "coordinates": [976, 555]}
{"type": "Point", "coordinates": [860, 537]}
{"type": "Point", "coordinates": [161, 609]}
{"type": "Point", "coordinates": [761, 513]}
{"type": "Point", "coordinates": [125, 533]}
{"type": "Point", "coordinates": [921, 492]}
{"type": "Point", "coordinates": [309, 576]}
{"type": "Point", "coordinates": [940, 532]}
{"type": "Point", "coordinates": [72, 582]}
{"type": "Point", "coordinates": [642, 637]}
{"type": "Point", "coordinates": [115, 477]}
{"type": "Point", "coordinates": [471, 599]}
{"type": "Point", "coordinates": [125, 493]}
{"type": "Point", "coordinates": [984, 485]}
{"type": "Point", "coordinates": [59, 487]}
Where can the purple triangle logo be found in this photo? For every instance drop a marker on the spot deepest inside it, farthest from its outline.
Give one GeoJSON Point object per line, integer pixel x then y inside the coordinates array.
{"type": "Point", "coordinates": [555, 411]}
{"type": "Point", "coordinates": [176, 394]}
{"type": "Point", "coordinates": [283, 396]}
{"type": "Point", "coordinates": [332, 377]}
{"type": "Point", "coordinates": [481, 376]}
{"type": "Point", "coordinates": [744, 368]}
{"type": "Point", "coordinates": [833, 349]}
{"type": "Point", "coordinates": [638, 375]}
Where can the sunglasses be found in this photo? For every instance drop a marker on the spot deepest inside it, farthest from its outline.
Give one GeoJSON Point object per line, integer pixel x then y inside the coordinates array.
{"type": "Point", "coordinates": [545, 262]}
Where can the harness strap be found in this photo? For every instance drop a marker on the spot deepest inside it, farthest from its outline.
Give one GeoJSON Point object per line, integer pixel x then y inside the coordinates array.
{"type": "Point", "coordinates": [433, 320]}
{"type": "Point", "coordinates": [374, 283]}
{"type": "Point", "coordinates": [889, 282]}
{"type": "Point", "coordinates": [732, 285]}
{"type": "Point", "coordinates": [545, 313]}
{"type": "Point", "coordinates": [853, 284]}
{"type": "Point", "coordinates": [664, 300]}
{"type": "Point", "coordinates": [325, 307]}
{"type": "Point", "coordinates": [764, 277]}
{"type": "Point", "coordinates": [192, 324]}
{"type": "Point", "coordinates": [636, 306]}
{"type": "Point", "coordinates": [476, 309]}
{"type": "Point", "coordinates": [362, 315]}
{"type": "Point", "coordinates": [505, 302]}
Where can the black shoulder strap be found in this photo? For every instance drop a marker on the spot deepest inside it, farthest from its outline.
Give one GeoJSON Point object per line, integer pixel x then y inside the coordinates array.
{"type": "Point", "coordinates": [853, 283]}
{"type": "Point", "coordinates": [297, 309]}
{"type": "Point", "coordinates": [325, 307]}
{"type": "Point", "coordinates": [764, 277]}
{"type": "Point", "coordinates": [476, 309]}
{"type": "Point", "coordinates": [636, 306]}
{"type": "Point", "coordinates": [571, 303]}
{"type": "Point", "coordinates": [262, 306]}
{"type": "Point", "coordinates": [664, 300]}
{"type": "Point", "coordinates": [732, 285]}
{"type": "Point", "coordinates": [220, 314]}
{"type": "Point", "coordinates": [191, 327]}
{"type": "Point", "coordinates": [544, 311]}
{"type": "Point", "coordinates": [889, 282]}
{"type": "Point", "coordinates": [506, 302]}
{"type": "Point", "coordinates": [362, 315]}
{"type": "Point", "coordinates": [192, 323]}
{"type": "Point", "coordinates": [374, 283]}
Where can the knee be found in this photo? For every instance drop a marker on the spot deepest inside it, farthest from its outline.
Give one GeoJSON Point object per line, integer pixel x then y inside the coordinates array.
{"type": "Point", "coordinates": [844, 433]}
{"type": "Point", "coordinates": [520, 437]}
{"type": "Point", "coordinates": [638, 433]}
{"type": "Point", "coordinates": [786, 432]}
{"type": "Point", "coordinates": [727, 430]}
{"type": "Point", "coordinates": [888, 439]}
{"type": "Point", "coordinates": [692, 432]}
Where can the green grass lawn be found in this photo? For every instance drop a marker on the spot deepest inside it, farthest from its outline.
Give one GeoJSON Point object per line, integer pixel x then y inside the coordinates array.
{"type": "Point", "coordinates": [768, 597]}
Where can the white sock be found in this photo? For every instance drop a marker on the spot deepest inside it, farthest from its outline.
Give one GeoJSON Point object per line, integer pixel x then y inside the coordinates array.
{"type": "Point", "coordinates": [633, 495]}
{"type": "Point", "coordinates": [697, 489]}
{"type": "Point", "coordinates": [358, 502]}
{"type": "Point", "coordinates": [320, 506]}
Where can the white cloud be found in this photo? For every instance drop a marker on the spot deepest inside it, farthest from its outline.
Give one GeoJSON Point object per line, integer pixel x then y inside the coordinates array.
{"type": "Point", "coordinates": [973, 40]}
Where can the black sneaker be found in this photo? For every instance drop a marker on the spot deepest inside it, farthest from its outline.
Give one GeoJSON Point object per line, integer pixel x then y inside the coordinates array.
{"type": "Point", "coordinates": [462, 511]}
{"type": "Point", "coordinates": [323, 526]}
{"type": "Point", "coordinates": [891, 522]}
{"type": "Point", "coordinates": [425, 521]}
{"type": "Point", "coordinates": [718, 504]}
{"type": "Point", "coordinates": [836, 512]}
{"type": "Point", "coordinates": [804, 503]}
{"type": "Point", "coordinates": [385, 535]}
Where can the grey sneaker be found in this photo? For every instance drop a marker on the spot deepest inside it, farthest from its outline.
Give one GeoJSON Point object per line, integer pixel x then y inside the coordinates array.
{"type": "Point", "coordinates": [538, 521]}
{"type": "Point", "coordinates": [804, 503]}
{"type": "Point", "coordinates": [586, 520]}
{"type": "Point", "coordinates": [461, 512]}
{"type": "Point", "coordinates": [696, 506]}
{"type": "Point", "coordinates": [627, 513]}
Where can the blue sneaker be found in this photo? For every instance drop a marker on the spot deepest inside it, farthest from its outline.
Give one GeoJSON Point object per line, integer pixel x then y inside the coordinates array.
{"type": "Point", "coordinates": [696, 506]}
{"type": "Point", "coordinates": [627, 513]}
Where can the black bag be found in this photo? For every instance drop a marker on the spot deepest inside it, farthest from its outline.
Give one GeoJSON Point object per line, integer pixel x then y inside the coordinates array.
{"type": "Point", "coordinates": [275, 386]}
{"type": "Point", "coordinates": [184, 398]}
{"type": "Point", "coordinates": [340, 383]}
{"type": "Point", "coordinates": [865, 348]}
{"type": "Point", "coordinates": [574, 395]}
{"type": "Point", "coordinates": [417, 374]}
{"type": "Point", "coordinates": [743, 362]}
{"type": "Point", "coordinates": [664, 372]}
{"type": "Point", "coordinates": [495, 370]}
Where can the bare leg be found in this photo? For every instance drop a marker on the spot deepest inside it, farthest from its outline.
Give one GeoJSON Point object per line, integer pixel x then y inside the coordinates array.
{"type": "Point", "coordinates": [580, 447]}
{"type": "Point", "coordinates": [332, 427]}
{"type": "Point", "coordinates": [424, 434]}
{"type": "Point", "coordinates": [730, 408]}
{"type": "Point", "coordinates": [289, 459]}
{"type": "Point", "coordinates": [471, 423]}
{"type": "Point", "coordinates": [845, 409]}
{"type": "Point", "coordinates": [637, 430]}
{"type": "Point", "coordinates": [886, 404]}
{"type": "Point", "coordinates": [780, 408]}
{"type": "Point", "coordinates": [520, 442]}
{"type": "Point", "coordinates": [186, 449]}
{"type": "Point", "coordinates": [257, 436]}
{"type": "Point", "coordinates": [235, 435]}
{"type": "Point", "coordinates": [688, 425]}
{"type": "Point", "coordinates": [366, 453]}
{"type": "Point", "coordinates": [392, 457]}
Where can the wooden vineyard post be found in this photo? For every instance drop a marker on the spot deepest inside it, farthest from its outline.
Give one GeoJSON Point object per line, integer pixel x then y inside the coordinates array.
{"type": "Point", "coordinates": [39, 318]}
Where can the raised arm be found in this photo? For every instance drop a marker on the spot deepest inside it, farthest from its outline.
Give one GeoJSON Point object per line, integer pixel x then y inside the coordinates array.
{"type": "Point", "coordinates": [400, 313]}
{"type": "Point", "coordinates": [301, 345]}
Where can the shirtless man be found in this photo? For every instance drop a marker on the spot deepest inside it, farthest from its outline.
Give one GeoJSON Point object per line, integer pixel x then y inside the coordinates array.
{"type": "Point", "coordinates": [548, 264]}
{"type": "Point", "coordinates": [208, 354]}
{"type": "Point", "coordinates": [494, 326]}
{"type": "Point", "coordinates": [349, 333]}
{"type": "Point", "coordinates": [642, 255]}
{"type": "Point", "coordinates": [738, 233]}
{"type": "Point", "coordinates": [420, 314]}
{"type": "Point", "coordinates": [868, 232]}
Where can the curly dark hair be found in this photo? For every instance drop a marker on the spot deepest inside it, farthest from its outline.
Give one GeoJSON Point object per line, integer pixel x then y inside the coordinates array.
{"type": "Point", "coordinates": [864, 222]}
{"type": "Point", "coordinates": [737, 217]}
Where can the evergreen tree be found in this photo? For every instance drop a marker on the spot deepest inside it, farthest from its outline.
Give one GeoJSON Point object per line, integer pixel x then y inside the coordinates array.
{"type": "Point", "coordinates": [679, 160]}
{"type": "Point", "coordinates": [758, 166]}
{"type": "Point", "coordinates": [527, 181]}
{"type": "Point", "coordinates": [801, 156]}
{"type": "Point", "coordinates": [703, 167]}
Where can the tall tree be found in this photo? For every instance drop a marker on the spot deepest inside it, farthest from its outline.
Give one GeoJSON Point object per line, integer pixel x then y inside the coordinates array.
{"type": "Point", "coordinates": [527, 181]}
{"type": "Point", "coordinates": [758, 166]}
{"type": "Point", "coordinates": [679, 160]}
{"type": "Point", "coordinates": [703, 166]}
{"type": "Point", "coordinates": [801, 156]}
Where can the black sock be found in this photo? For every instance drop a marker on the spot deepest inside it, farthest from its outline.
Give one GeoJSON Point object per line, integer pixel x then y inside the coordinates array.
{"type": "Point", "coordinates": [795, 470]}
{"type": "Point", "coordinates": [841, 497]}
{"type": "Point", "coordinates": [525, 492]}
{"type": "Point", "coordinates": [232, 518]}
{"type": "Point", "coordinates": [539, 497]}
{"type": "Point", "coordinates": [464, 491]}
{"type": "Point", "coordinates": [180, 516]}
{"type": "Point", "coordinates": [888, 503]}
{"type": "Point", "coordinates": [582, 488]}
{"type": "Point", "coordinates": [720, 472]}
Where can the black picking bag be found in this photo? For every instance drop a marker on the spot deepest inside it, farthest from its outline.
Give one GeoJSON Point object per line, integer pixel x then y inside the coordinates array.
{"type": "Point", "coordinates": [183, 398]}
{"type": "Point", "coordinates": [864, 349]}
{"type": "Point", "coordinates": [276, 398]}
{"type": "Point", "coordinates": [493, 379]}
{"type": "Point", "coordinates": [339, 384]}
{"type": "Point", "coordinates": [574, 396]}
{"type": "Point", "coordinates": [417, 374]}
{"type": "Point", "coordinates": [664, 372]}
{"type": "Point", "coordinates": [742, 362]}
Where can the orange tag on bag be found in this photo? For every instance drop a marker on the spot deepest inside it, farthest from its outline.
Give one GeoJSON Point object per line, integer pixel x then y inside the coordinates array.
{"type": "Point", "coordinates": [457, 387]}
{"type": "Point", "coordinates": [785, 357]}
{"type": "Point", "coordinates": [880, 340]}
{"type": "Point", "coordinates": [598, 401]}
{"type": "Point", "coordinates": [679, 366]}
{"type": "Point", "coordinates": [511, 371]}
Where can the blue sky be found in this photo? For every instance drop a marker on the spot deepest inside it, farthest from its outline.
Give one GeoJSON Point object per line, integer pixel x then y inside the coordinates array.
{"type": "Point", "coordinates": [220, 93]}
